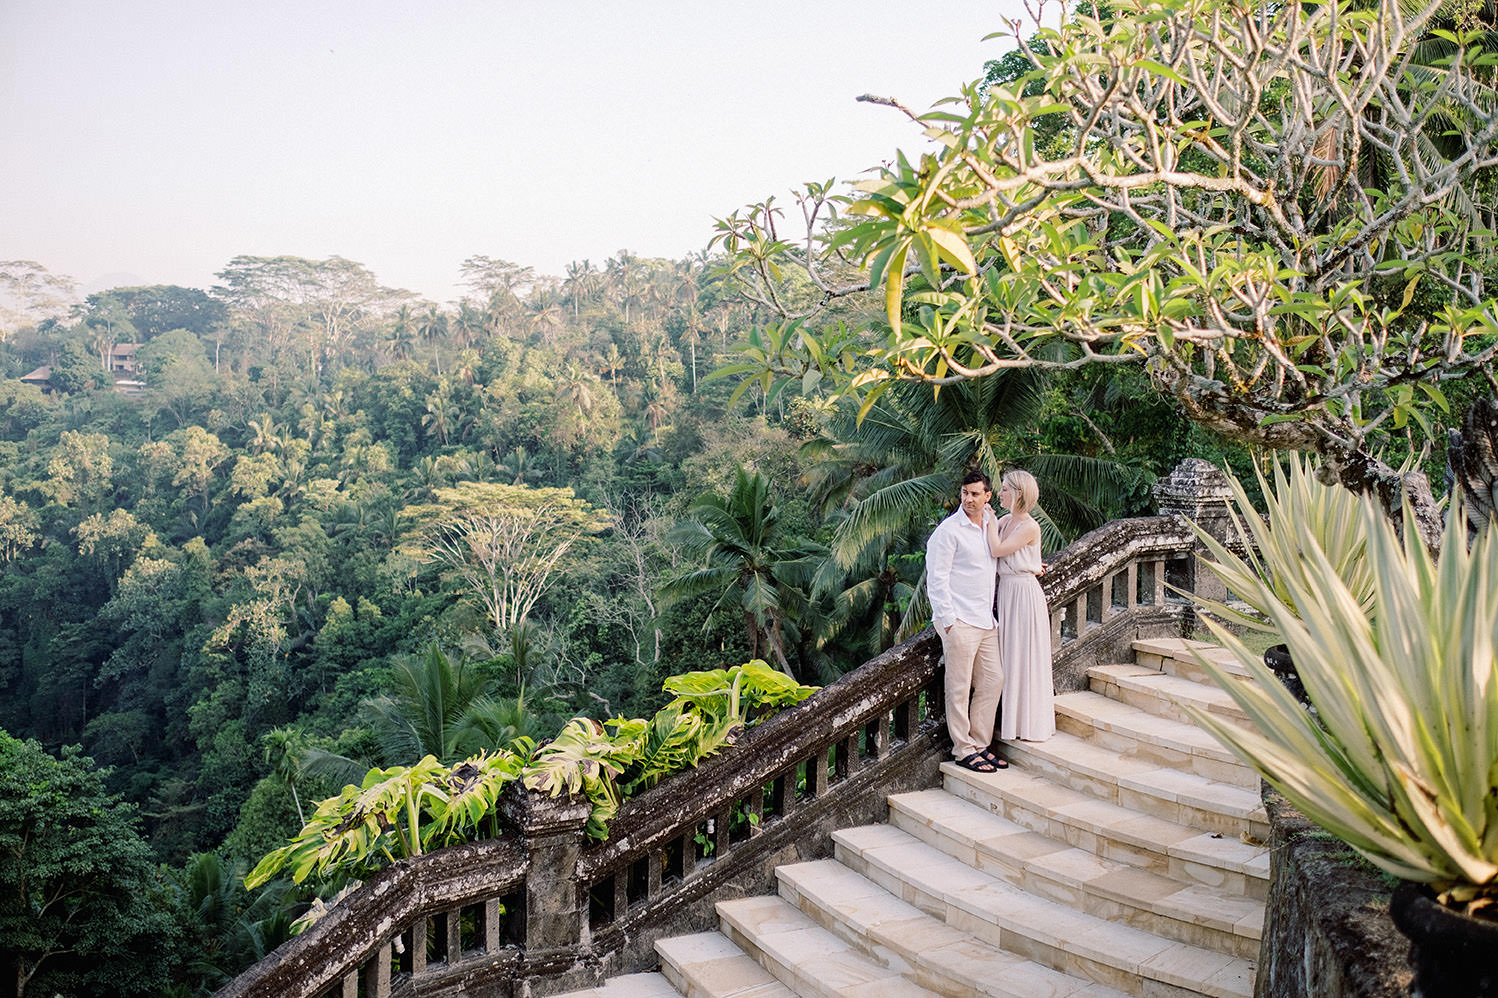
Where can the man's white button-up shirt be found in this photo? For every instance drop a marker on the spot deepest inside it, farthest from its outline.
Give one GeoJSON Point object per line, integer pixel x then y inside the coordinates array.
{"type": "Point", "coordinates": [960, 573]}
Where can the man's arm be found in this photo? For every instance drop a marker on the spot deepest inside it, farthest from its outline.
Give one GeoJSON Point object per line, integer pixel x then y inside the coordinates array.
{"type": "Point", "coordinates": [939, 551]}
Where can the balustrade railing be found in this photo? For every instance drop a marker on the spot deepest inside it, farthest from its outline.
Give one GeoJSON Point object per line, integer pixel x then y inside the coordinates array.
{"type": "Point", "coordinates": [543, 910]}
{"type": "Point", "coordinates": [1113, 586]}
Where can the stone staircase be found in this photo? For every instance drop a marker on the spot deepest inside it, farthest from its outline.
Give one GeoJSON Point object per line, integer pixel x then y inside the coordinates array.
{"type": "Point", "coordinates": [1123, 856]}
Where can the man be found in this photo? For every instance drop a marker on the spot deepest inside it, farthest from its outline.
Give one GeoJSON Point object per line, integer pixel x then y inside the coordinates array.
{"type": "Point", "coordinates": [960, 575]}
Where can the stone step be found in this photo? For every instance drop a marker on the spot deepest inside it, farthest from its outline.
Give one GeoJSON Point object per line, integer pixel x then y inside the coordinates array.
{"type": "Point", "coordinates": [1146, 841]}
{"type": "Point", "coordinates": [1129, 731]}
{"type": "Point", "coordinates": [1177, 657]}
{"type": "Point", "coordinates": [710, 965]}
{"type": "Point", "coordinates": [1146, 787]}
{"type": "Point", "coordinates": [1110, 889]}
{"type": "Point", "coordinates": [805, 957]}
{"type": "Point", "coordinates": [1161, 694]}
{"type": "Point", "coordinates": [1081, 945]}
{"type": "Point", "coordinates": [926, 949]}
{"type": "Point", "coordinates": [630, 986]}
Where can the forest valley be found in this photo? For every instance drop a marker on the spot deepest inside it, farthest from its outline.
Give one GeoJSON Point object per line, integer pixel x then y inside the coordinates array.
{"type": "Point", "coordinates": [338, 527]}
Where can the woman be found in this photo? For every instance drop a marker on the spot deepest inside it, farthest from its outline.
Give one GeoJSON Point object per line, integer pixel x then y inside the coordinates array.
{"type": "Point", "coordinates": [1027, 711]}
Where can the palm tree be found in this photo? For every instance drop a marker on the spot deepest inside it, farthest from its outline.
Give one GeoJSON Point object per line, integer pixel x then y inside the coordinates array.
{"type": "Point", "coordinates": [543, 315]}
{"type": "Point", "coordinates": [746, 558]}
{"type": "Point", "coordinates": [884, 480]}
{"type": "Point", "coordinates": [285, 748]}
{"type": "Point", "coordinates": [625, 282]}
{"type": "Point", "coordinates": [468, 324]}
{"type": "Point", "coordinates": [422, 715]}
{"type": "Point", "coordinates": [439, 419]}
{"type": "Point", "coordinates": [516, 465]}
{"type": "Point", "coordinates": [612, 361]}
{"type": "Point", "coordinates": [432, 328]}
{"type": "Point", "coordinates": [263, 434]}
{"type": "Point", "coordinates": [580, 282]}
{"type": "Point", "coordinates": [903, 460]}
{"type": "Point", "coordinates": [656, 415]}
{"type": "Point", "coordinates": [438, 705]}
{"type": "Point", "coordinates": [573, 389]}
{"type": "Point", "coordinates": [400, 337]}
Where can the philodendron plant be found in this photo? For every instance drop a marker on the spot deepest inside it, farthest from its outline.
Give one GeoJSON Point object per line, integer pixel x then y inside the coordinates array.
{"type": "Point", "coordinates": [1400, 760]}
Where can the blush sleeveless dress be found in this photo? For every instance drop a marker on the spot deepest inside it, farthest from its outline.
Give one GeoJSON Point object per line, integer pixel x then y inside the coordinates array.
{"type": "Point", "coordinates": [1027, 710]}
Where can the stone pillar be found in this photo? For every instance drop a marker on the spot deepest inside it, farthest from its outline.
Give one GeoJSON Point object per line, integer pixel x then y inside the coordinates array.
{"type": "Point", "coordinates": [1199, 491]}
{"type": "Point", "coordinates": [558, 951]}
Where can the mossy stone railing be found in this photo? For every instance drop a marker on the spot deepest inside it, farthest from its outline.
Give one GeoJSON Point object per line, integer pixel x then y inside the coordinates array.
{"type": "Point", "coordinates": [543, 910]}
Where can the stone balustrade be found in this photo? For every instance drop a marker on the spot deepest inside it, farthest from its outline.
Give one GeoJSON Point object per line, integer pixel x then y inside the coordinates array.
{"type": "Point", "coordinates": [543, 910]}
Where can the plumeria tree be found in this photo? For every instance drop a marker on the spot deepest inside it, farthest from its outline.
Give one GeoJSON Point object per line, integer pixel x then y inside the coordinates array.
{"type": "Point", "coordinates": [1275, 208]}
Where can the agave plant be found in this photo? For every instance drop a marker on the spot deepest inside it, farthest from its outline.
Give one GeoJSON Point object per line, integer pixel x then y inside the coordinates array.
{"type": "Point", "coordinates": [1298, 508]}
{"type": "Point", "coordinates": [1401, 759]}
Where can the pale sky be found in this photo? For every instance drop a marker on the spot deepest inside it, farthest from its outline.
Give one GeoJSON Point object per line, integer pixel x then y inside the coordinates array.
{"type": "Point", "coordinates": [151, 142]}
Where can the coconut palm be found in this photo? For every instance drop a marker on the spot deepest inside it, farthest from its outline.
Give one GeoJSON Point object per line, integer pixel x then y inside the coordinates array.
{"type": "Point", "coordinates": [901, 463]}
{"type": "Point", "coordinates": [285, 748]}
{"type": "Point", "coordinates": [745, 557]}
{"type": "Point", "coordinates": [401, 334]}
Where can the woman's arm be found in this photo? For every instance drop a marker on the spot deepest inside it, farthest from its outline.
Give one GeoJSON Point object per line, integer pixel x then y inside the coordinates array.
{"type": "Point", "coordinates": [1023, 535]}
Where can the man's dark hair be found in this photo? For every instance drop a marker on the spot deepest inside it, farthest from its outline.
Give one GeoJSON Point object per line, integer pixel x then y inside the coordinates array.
{"type": "Point", "coordinates": [977, 476]}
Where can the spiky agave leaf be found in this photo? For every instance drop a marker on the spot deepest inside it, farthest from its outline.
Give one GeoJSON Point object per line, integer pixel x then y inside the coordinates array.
{"type": "Point", "coordinates": [1401, 760]}
{"type": "Point", "coordinates": [1297, 506]}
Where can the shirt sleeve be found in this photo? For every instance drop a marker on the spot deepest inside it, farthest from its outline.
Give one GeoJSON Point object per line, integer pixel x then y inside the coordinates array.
{"type": "Point", "coordinates": [939, 552]}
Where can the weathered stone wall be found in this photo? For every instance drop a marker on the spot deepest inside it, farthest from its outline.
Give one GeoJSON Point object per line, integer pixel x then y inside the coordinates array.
{"type": "Point", "coordinates": [1327, 931]}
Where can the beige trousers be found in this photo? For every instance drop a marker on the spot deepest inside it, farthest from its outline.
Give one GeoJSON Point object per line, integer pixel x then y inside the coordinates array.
{"type": "Point", "coordinates": [975, 678]}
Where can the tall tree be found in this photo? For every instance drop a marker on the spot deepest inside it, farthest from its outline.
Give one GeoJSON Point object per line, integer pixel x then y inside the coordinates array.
{"type": "Point", "coordinates": [158, 308]}
{"type": "Point", "coordinates": [746, 558]}
{"type": "Point", "coordinates": [503, 542]}
{"type": "Point", "coordinates": [30, 293]}
{"type": "Point", "coordinates": [1204, 210]}
{"type": "Point", "coordinates": [329, 301]}
{"type": "Point", "coordinates": [82, 910]}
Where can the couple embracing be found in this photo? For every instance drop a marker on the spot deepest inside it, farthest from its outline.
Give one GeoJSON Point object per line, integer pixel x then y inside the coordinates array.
{"type": "Point", "coordinates": [997, 663]}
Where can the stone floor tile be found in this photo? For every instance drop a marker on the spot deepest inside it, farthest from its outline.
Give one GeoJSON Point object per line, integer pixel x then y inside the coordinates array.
{"type": "Point", "coordinates": [1072, 866]}
{"type": "Point", "coordinates": [697, 947]}
{"type": "Point", "coordinates": [868, 836]}
{"type": "Point", "coordinates": [764, 916]}
{"type": "Point", "coordinates": [1222, 911]}
{"type": "Point", "coordinates": [1186, 966]}
{"type": "Point", "coordinates": [638, 986]}
{"type": "Point", "coordinates": [1138, 887]}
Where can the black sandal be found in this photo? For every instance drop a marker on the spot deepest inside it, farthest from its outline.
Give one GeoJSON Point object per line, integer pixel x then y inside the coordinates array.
{"type": "Point", "coordinates": [978, 763]}
{"type": "Point", "coordinates": [994, 760]}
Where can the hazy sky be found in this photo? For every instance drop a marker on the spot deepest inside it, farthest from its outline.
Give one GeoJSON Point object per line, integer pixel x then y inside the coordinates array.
{"type": "Point", "coordinates": [151, 142]}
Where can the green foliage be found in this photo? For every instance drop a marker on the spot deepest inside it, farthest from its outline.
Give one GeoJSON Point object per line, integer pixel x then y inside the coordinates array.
{"type": "Point", "coordinates": [407, 810]}
{"type": "Point", "coordinates": [757, 569]}
{"type": "Point", "coordinates": [82, 907]}
{"type": "Point", "coordinates": [1400, 757]}
{"type": "Point", "coordinates": [1271, 570]}
{"type": "Point", "coordinates": [397, 812]}
{"type": "Point", "coordinates": [709, 710]}
{"type": "Point", "coordinates": [1138, 186]}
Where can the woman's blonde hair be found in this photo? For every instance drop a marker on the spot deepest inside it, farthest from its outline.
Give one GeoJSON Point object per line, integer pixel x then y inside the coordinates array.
{"type": "Point", "coordinates": [1026, 491]}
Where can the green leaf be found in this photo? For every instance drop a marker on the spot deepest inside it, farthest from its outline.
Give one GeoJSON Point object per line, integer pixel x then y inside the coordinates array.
{"type": "Point", "coordinates": [953, 247]}
{"type": "Point", "coordinates": [894, 286]}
